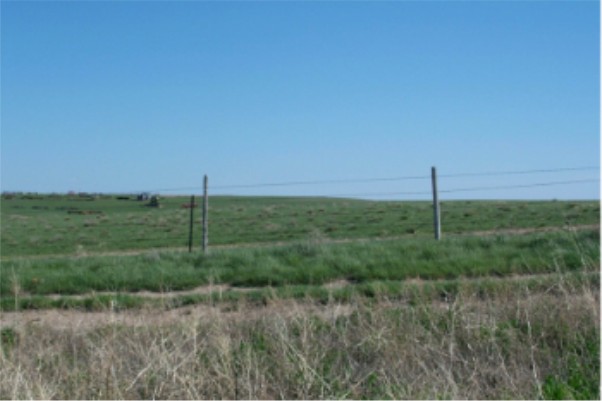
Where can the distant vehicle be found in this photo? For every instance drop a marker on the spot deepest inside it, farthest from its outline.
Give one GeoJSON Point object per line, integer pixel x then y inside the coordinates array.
{"type": "Point", "coordinates": [144, 196]}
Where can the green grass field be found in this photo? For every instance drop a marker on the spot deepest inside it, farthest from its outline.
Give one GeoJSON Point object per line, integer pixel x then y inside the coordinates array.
{"type": "Point", "coordinates": [307, 263]}
{"type": "Point", "coordinates": [384, 241]}
{"type": "Point", "coordinates": [47, 225]}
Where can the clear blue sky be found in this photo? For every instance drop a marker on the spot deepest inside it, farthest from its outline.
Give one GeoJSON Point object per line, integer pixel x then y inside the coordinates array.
{"type": "Point", "coordinates": [125, 96]}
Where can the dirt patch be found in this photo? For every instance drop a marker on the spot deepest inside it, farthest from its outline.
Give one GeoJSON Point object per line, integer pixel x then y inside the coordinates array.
{"type": "Point", "coordinates": [18, 217]}
{"type": "Point", "coordinates": [533, 230]}
{"type": "Point", "coordinates": [216, 289]}
{"type": "Point", "coordinates": [85, 212]}
{"type": "Point", "coordinates": [202, 290]}
{"type": "Point", "coordinates": [334, 285]}
{"type": "Point", "coordinates": [81, 320]}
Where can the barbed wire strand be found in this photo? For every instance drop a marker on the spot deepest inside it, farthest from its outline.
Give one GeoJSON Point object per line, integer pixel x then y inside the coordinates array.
{"type": "Point", "coordinates": [198, 189]}
{"type": "Point", "coordinates": [403, 178]}
{"type": "Point", "coordinates": [455, 190]}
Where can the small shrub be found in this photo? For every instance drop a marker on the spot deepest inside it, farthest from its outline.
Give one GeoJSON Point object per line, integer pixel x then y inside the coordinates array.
{"type": "Point", "coordinates": [8, 339]}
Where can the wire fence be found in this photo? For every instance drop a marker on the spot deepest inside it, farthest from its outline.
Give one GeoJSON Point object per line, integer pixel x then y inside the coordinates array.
{"type": "Point", "coordinates": [423, 183]}
{"type": "Point", "coordinates": [129, 222]}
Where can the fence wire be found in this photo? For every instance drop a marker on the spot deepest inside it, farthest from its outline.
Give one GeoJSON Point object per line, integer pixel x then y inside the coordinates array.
{"type": "Point", "coordinates": [237, 218]}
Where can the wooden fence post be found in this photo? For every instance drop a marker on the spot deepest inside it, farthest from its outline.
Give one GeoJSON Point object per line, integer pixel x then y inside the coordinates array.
{"type": "Point", "coordinates": [436, 211]}
{"type": "Point", "coordinates": [191, 223]}
{"type": "Point", "coordinates": [205, 215]}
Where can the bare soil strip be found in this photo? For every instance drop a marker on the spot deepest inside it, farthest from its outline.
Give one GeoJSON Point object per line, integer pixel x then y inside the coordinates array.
{"type": "Point", "coordinates": [134, 252]}
{"type": "Point", "coordinates": [73, 319]}
{"type": "Point", "coordinates": [202, 290]}
{"type": "Point", "coordinates": [76, 319]}
{"type": "Point", "coordinates": [219, 289]}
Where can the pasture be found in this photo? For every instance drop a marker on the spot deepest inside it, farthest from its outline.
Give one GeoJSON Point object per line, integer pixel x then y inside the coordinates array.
{"type": "Point", "coordinates": [299, 298]}
{"type": "Point", "coordinates": [71, 225]}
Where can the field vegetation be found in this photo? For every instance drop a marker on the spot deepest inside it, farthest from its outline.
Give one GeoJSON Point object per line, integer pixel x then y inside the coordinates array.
{"type": "Point", "coordinates": [299, 298]}
{"type": "Point", "coordinates": [46, 225]}
{"type": "Point", "coordinates": [306, 263]}
{"type": "Point", "coordinates": [510, 341]}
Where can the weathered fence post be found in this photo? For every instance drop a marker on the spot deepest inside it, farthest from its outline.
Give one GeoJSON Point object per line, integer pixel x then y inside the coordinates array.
{"type": "Point", "coordinates": [436, 211]}
{"type": "Point", "coordinates": [191, 223]}
{"type": "Point", "coordinates": [205, 215]}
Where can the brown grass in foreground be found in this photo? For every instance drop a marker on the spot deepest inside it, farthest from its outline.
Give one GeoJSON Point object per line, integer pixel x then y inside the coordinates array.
{"type": "Point", "coordinates": [519, 345]}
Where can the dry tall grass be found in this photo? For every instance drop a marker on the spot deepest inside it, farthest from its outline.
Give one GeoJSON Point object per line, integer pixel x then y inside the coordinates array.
{"type": "Point", "coordinates": [516, 344]}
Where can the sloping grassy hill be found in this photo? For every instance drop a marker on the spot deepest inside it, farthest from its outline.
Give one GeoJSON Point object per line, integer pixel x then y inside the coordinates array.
{"type": "Point", "coordinates": [44, 225]}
